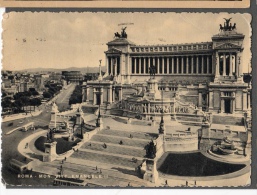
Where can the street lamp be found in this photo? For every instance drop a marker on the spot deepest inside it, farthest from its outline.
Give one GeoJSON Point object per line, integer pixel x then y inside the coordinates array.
{"type": "Point", "coordinates": [161, 127]}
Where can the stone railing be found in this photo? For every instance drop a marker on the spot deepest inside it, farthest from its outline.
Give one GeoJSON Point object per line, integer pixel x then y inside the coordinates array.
{"type": "Point", "coordinates": [172, 48]}
{"type": "Point", "coordinates": [181, 142]}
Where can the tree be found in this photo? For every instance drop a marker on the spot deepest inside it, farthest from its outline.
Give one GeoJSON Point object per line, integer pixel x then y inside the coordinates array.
{"type": "Point", "coordinates": [35, 102]}
{"type": "Point", "coordinates": [34, 93]}
{"type": "Point", "coordinates": [46, 94]}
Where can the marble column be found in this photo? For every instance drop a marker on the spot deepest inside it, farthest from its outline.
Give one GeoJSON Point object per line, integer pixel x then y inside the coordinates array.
{"type": "Point", "coordinates": [208, 64]}
{"type": "Point", "coordinates": [236, 65]}
{"type": "Point", "coordinates": [217, 67]}
{"type": "Point", "coordinates": [224, 64]}
{"type": "Point", "coordinates": [145, 65]}
{"type": "Point", "coordinates": [187, 64]}
{"type": "Point", "coordinates": [230, 64]}
{"type": "Point", "coordinates": [162, 58]}
{"type": "Point", "coordinates": [158, 65]}
{"type": "Point", "coordinates": [177, 65]}
{"type": "Point", "coordinates": [197, 64]}
{"type": "Point", "coordinates": [111, 66]}
{"type": "Point", "coordinates": [113, 94]}
{"type": "Point", "coordinates": [129, 66]}
{"type": "Point", "coordinates": [172, 65]}
{"type": "Point", "coordinates": [116, 66]}
{"type": "Point", "coordinates": [182, 65]}
{"type": "Point", "coordinates": [192, 64]}
{"type": "Point", "coordinates": [140, 67]}
{"type": "Point", "coordinates": [202, 71]}
{"type": "Point", "coordinates": [168, 64]}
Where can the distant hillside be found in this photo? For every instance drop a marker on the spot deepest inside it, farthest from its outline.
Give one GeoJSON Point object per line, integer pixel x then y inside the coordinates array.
{"type": "Point", "coordinates": [83, 70]}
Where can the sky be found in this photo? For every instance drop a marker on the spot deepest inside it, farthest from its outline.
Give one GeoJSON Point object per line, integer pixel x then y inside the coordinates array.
{"type": "Point", "coordinates": [70, 39]}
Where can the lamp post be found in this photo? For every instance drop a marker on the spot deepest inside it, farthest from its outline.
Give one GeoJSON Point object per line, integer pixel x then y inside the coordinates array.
{"type": "Point", "coordinates": [99, 119]}
{"type": "Point", "coordinates": [100, 71]}
{"type": "Point", "coordinates": [161, 127]}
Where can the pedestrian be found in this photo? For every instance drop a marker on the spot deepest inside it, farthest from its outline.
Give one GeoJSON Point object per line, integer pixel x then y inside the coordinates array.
{"type": "Point", "coordinates": [100, 171]}
{"type": "Point", "coordinates": [195, 183]}
{"type": "Point", "coordinates": [128, 184]}
{"type": "Point", "coordinates": [96, 168]}
{"type": "Point", "coordinates": [166, 182]}
{"type": "Point", "coordinates": [65, 158]}
{"type": "Point", "coordinates": [186, 183]}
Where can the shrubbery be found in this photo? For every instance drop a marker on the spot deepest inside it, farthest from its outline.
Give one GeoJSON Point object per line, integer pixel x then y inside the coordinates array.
{"type": "Point", "coordinates": [76, 96]}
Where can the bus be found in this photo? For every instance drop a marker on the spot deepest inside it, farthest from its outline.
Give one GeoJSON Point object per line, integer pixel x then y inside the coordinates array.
{"type": "Point", "coordinates": [28, 126]}
{"type": "Point", "coordinates": [69, 182]}
{"type": "Point", "coordinates": [18, 167]}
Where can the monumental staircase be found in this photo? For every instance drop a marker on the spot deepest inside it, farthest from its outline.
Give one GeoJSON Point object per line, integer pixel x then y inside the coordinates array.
{"type": "Point", "coordinates": [121, 159]}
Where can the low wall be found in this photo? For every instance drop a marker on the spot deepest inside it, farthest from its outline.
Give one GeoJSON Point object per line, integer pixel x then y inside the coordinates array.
{"type": "Point", "coordinates": [239, 178]}
{"type": "Point", "coordinates": [211, 136]}
{"type": "Point", "coordinates": [86, 137]}
{"type": "Point", "coordinates": [180, 142]}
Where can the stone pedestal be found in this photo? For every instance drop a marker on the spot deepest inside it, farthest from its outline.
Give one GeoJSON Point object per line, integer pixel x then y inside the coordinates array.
{"type": "Point", "coordinates": [204, 136]}
{"type": "Point", "coordinates": [151, 173]}
{"type": "Point", "coordinates": [152, 89]}
{"type": "Point", "coordinates": [50, 151]}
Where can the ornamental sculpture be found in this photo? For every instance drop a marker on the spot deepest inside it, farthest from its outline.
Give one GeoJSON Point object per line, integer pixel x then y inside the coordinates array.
{"type": "Point", "coordinates": [227, 25]}
{"type": "Point", "coordinates": [123, 33]}
{"type": "Point", "coordinates": [152, 71]}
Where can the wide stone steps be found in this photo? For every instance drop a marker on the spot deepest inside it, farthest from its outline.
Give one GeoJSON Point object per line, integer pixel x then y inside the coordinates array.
{"type": "Point", "coordinates": [116, 140]}
{"type": "Point", "coordinates": [227, 120]}
{"type": "Point", "coordinates": [112, 177]}
{"type": "Point", "coordinates": [115, 149]}
{"type": "Point", "coordinates": [127, 134]}
{"type": "Point", "coordinates": [88, 109]}
{"type": "Point", "coordinates": [104, 158]}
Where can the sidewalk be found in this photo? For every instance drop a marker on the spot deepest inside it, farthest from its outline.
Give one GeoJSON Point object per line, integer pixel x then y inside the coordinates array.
{"type": "Point", "coordinates": [20, 116]}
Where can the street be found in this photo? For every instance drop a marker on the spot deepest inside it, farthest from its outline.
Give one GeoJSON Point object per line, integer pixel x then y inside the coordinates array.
{"type": "Point", "coordinates": [10, 142]}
